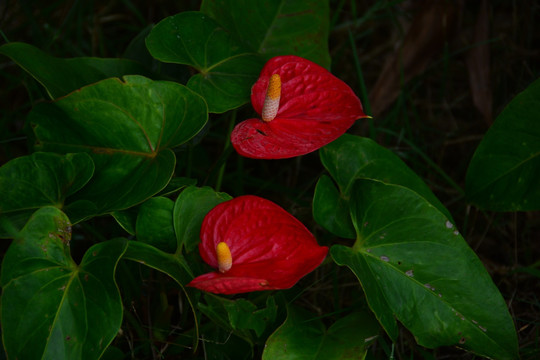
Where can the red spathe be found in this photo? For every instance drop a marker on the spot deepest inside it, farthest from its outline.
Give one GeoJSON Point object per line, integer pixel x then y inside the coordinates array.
{"type": "Point", "coordinates": [315, 109]}
{"type": "Point", "coordinates": [270, 248]}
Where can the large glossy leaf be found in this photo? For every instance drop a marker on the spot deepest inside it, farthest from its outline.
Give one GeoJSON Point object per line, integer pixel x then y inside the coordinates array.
{"type": "Point", "coordinates": [53, 308]}
{"type": "Point", "coordinates": [226, 69]}
{"type": "Point", "coordinates": [304, 336]}
{"type": "Point", "coordinates": [30, 182]}
{"type": "Point", "coordinates": [350, 158]}
{"type": "Point", "coordinates": [62, 76]}
{"type": "Point", "coordinates": [128, 127]}
{"type": "Point", "coordinates": [190, 208]}
{"type": "Point", "coordinates": [504, 171]}
{"type": "Point", "coordinates": [280, 27]}
{"type": "Point", "coordinates": [415, 267]}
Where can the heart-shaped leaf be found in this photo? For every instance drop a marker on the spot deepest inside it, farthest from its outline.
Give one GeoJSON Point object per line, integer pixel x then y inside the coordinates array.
{"type": "Point", "coordinates": [304, 336]}
{"type": "Point", "coordinates": [226, 69]}
{"type": "Point", "coordinates": [53, 308]}
{"type": "Point", "coordinates": [277, 27]}
{"type": "Point", "coordinates": [415, 267]}
{"type": "Point", "coordinates": [155, 223]}
{"type": "Point", "coordinates": [350, 158]}
{"type": "Point", "coordinates": [38, 180]}
{"type": "Point", "coordinates": [128, 128]}
{"type": "Point", "coordinates": [504, 171]}
{"type": "Point", "coordinates": [190, 208]}
{"type": "Point", "coordinates": [75, 72]}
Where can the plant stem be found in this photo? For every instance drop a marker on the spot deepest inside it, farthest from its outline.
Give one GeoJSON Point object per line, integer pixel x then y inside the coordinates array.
{"type": "Point", "coordinates": [221, 172]}
{"type": "Point", "coordinates": [362, 84]}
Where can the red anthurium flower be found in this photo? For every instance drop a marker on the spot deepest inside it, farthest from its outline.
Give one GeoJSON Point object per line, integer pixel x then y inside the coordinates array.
{"type": "Point", "coordinates": [303, 107]}
{"type": "Point", "coordinates": [255, 245]}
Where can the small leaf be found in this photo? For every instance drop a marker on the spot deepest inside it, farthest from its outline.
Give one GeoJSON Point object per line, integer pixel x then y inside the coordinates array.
{"type": "Point", "coordinates": [504, 171]}
{"type": "Point", "coordinates": [414, 265]}
{"type": "Point", "coordinates": [155, 223]}
{"type": "Point", "coordinates": [127, 219]}
{"type": "Point", "coordinates": [190, 208]}
{"type": "Point", "coordinates": [303, 336]}
{"type": "Point", "coordinates": [128, 128]}
{"type": "Point", "coordinates": [51, 307]}
{"type": "Point", "coordinates": [74, 73]}
{"type": "Point", "coordinates": [38, 180]}
{"type": "Point", "coordinates": [277, 27]}
{"type": "Point", "coordinates": [239, 315]}
{"type": "Point", "coordinates": [173, 265]}
{"type": "Point", "coordinates": [331, 210]}
{"type": "Point", "coordinates": [176, 185]}
{"type": "Point", "coordinates": [226, 69]}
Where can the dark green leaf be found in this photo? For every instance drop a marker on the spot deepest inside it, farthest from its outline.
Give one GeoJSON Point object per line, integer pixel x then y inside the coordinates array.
{"type": "Point", "coordinates": [240, 314]}
{"type": "Point", "coordinates": [155, 223]}
{"type": "Point", "coordinates": [226, 69]}
{"type": "Point", "coordinates": [128, 128]}
{"type": "Point", "coordinates": [350, 158]}
{"type": "Point", "coordinates": [38, 180]}
{"type": "Point", "coordinates": [53, 308]}
{"type": "Point", "coordinates": [278, 27]}
{"type": "Point", "coordinates": [127, 219]}
{"type": "Point", "coordinates": [331, 210]}
{"type": "Point", "coordinates": [176, 184]}
{"type": "Point", "coordinates": [414, 265]}
{"type": "Point", "coordinates": [504, 171]}
{"type": "Point", "coordinates": [62, 76]}
{"type": "Point", "coordinates": [304, 336]}
{"type": "Point", "coordinates": [173, 265]}
{"type": "Point", "coordinates": [190, 208]}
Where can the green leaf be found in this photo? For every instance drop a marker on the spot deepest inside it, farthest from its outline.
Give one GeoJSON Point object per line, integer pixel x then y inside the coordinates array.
{"type": "Point", "coordinates": [38, 180]}
{"type": "Point", "coordinates": [280, 27]}
{"type": "Point", "coordinates": [331, 210]}
{"type": "Point", "coordinates": [304, 336]}
{"type": "Point", "coordinates": [127, 219]}
{"type": "Point", "coordinates": [155, 223]}
{"type": "Point", "coordinates": [190, 208]}
{"type": "Point", "coordinates": [504, 171]}
{"type": "Point", "coordinates": [53, 308]}
{"type": "Point", "coordinates": [240, 314]}
{"type": "Point", "coordinates": [173, 265]}
{"type": "Point", "coordinates": [177, 184]}
{"type": "Point", "coordinates": [62, 76]}
{"type": "Point", "coordinates": [128, 128]}
{"type": "Point", "coordinates": [226, 69]}
{"type": "Point", "coordinates": [350, 158]}
{"type": "Point", "coordinates": [415, 267]}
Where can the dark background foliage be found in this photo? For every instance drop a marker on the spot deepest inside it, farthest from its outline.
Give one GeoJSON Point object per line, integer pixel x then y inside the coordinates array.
{"type": "Point", "coordinates": [437, 74]}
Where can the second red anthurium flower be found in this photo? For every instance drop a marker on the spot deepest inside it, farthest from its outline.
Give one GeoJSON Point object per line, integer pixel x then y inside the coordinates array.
{"type": "Point", "coordinates": [302, 106]}
{"type": "Point", "coordinates": [255, 245]}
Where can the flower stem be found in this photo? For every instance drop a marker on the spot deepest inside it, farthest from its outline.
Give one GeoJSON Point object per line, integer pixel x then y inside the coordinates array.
{"type": "Point", "coordinates": [226, 147]}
